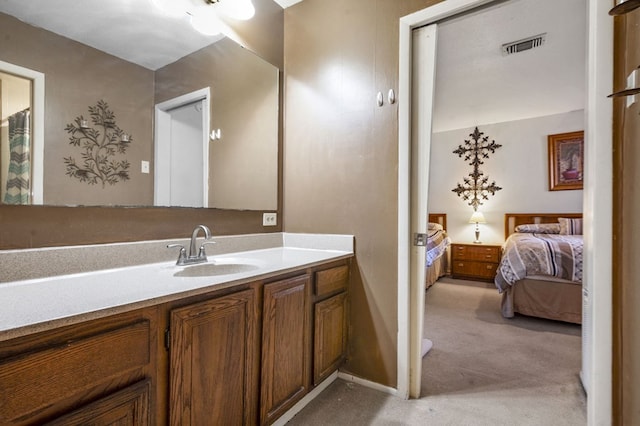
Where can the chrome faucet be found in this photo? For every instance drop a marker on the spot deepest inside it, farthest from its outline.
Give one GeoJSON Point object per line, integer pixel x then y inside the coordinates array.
{"type": "Point", "coordinates": [193, 258]}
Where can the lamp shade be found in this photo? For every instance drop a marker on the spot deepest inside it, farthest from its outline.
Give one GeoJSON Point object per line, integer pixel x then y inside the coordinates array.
{"type": "Point", "coordinates": [477, 217]}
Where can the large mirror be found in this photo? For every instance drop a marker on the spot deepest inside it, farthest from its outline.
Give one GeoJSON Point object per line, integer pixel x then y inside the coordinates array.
{"type": "Point", "coordinates": [219, 103]}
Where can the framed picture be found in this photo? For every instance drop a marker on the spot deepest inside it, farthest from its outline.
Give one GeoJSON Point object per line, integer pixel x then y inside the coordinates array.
{"type": "Point", "coordinates": [566, 161]}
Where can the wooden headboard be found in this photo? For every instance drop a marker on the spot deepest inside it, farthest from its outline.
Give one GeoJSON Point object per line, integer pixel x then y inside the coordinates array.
{"type": "Point", "coordinates": [440, 218]}
{"type": "Point", "coordinates": [511, 220]}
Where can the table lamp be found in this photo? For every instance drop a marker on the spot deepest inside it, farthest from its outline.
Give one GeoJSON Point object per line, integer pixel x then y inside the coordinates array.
{"type": "Point", "coordinates": [477, 217]}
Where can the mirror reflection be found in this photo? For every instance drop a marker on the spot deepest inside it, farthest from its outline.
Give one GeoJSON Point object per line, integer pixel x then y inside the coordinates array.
{"type": "Point", "coordinates": [200, 131]}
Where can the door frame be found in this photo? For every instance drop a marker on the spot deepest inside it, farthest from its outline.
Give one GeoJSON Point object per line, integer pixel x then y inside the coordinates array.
{"type": "Point", "coordinates": [162, 141]}
{"type": "Point", "coordinates": [37, 127]}
{"type": "Point", "coordinates": [597, 186]}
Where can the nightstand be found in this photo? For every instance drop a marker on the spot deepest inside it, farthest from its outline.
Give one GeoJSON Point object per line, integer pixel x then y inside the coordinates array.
{"type": "Point", "coordinates": [475, 261]}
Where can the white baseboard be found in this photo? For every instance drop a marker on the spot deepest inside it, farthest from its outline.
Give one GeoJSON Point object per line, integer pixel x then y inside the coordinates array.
{"type": "Point", "coordinates": [366, 383]}
{"type": "Point", "coordinates": [306, 400]}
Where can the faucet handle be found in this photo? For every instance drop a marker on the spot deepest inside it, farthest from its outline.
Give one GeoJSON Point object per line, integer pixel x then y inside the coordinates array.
{"type": "Point", "coordinates": [201, 252]}
{"type": "Point", "coordinates": [183, 252]}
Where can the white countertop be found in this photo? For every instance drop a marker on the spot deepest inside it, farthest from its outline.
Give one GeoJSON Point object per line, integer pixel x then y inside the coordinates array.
{"type": "Point", "coordinates": [35, 305]}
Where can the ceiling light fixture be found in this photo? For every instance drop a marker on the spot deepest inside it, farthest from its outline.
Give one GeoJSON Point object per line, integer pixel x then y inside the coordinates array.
{"type": "Point", "coordinates": [204, 15]}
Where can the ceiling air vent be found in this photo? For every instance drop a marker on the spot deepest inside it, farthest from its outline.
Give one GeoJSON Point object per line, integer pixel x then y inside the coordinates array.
{"type": "Point", "coordinates": [524, 44]}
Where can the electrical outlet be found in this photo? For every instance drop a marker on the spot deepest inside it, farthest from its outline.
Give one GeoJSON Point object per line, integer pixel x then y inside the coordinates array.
{"type": "Point", "coordinates": [269, 219]}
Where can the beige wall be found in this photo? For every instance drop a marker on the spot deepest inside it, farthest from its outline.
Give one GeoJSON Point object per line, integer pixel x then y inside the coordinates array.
{"type": "Point", "coordinates": [244, 106]}
{"type": "Point", "coordinates": [76, 77]}
{"type": "Point", "coordinates": [262, 34]}
{"type": "Point", "coordinates": [340, 156]}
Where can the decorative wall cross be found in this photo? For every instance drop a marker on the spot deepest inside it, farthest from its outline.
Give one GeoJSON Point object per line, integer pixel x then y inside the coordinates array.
{"type": "Point", "coordinates": [476, 187]}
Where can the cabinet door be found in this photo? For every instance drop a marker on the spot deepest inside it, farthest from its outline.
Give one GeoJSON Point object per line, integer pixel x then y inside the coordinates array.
{"type": "Point", "coordinates": [285, 346]}
{"type": "Point", "coordinates": [330, 336]}
{"type": "Point", "coordinates": [128, 407]}
{"type": "Point", "coordinates": [213, 362]}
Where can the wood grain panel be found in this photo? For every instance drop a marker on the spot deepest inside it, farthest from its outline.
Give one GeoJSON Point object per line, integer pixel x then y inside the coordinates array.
{"type": "Point", "coordinates": [213, 347]}
{"type": "Point", "coordinates": [128, 407]}
{"type": "Point", "coordinates": [330, 336]}
{"type": "Point", "coordinates": [440, 218]}
{"type": "Point", "coordinates": [479, 270]}
{"type": "Point", "coordinates": [285, 346]}
{"type": "Point", "coordinates": [36, 380]}
{"type": "Point", "coordinates": [626, 229]}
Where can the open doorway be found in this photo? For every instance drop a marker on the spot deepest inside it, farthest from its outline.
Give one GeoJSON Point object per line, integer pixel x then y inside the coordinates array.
{"type": "Point", "coordinates": [22, 147]}
{"type": "Point", "coordinates": [598, 113]}
{"type": "Point", "coordinates": [480, 84]}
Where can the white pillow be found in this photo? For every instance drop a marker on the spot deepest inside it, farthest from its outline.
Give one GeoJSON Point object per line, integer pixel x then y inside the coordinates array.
{"type": "Point", "coordinates": [570, 226]}
{"type": "Point", "coordinates": [539, 228]}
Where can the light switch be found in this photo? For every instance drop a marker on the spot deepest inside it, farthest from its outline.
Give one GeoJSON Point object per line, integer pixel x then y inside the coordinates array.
{"type": "Point", "coordinates": [144, 166]}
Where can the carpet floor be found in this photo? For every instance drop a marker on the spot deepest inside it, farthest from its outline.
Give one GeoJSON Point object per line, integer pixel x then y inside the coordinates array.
{"type": "Point", "coordinates": [483, 369]}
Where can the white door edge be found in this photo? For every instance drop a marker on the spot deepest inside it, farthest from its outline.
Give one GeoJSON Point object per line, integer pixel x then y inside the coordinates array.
{"type": "Point", "coordinates": [406, 367]}
{"type": "Point", "coordinates": [162, 141]}
{"type": "Point", "coordinates": [423, 84]}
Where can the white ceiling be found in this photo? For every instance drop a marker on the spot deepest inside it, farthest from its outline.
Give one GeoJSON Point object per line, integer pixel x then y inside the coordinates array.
{"type": "Point", "coordinates": [286, 3]}
{"type": "Point", "coordinates": [475, 84]}
{"type": "Point", "coordinates": [133, 30]}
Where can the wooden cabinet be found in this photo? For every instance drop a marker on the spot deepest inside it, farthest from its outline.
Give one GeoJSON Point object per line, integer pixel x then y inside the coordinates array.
{"type": "Point", "coordinates": [213, 375]}
{"type": "Point", "coordinates": [475, 261]}
{"type": "Point", "coordinates": [241, 355]}
{"type": "Point", "coordinates": [330, 321]}
{"type": "Point", "coordinates": [286, 351]}
{"type": "Point", "coordinates": [46, 377]}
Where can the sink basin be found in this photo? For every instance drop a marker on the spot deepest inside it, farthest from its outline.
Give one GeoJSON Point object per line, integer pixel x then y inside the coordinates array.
{"type": "Point", "coordinates": [220, 266]}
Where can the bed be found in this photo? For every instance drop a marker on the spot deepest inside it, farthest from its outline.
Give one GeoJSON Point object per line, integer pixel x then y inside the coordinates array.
{"type": "Point", "coordinates": [540, 272]}
{"type": "Point", "coordinates": [438, 243]}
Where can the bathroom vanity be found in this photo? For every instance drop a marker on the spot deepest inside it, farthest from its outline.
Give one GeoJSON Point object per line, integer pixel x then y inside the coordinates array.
{"type": "Point", "coordinates": [174, 346]}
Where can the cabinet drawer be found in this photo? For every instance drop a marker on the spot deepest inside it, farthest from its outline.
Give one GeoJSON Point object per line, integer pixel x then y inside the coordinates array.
{"type": "Point", "coordinates": [41, 378]}
{"type": "Point", "coordinates": [129, 406]}
{"type": "Point", "coordinates": [331, 280]}
{"type": "Point", "coordinates": [484, 253]}
{"type": "Point", "coordinates": [474, 269]}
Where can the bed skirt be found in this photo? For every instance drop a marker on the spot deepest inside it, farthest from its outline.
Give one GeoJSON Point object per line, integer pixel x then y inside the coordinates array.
{"type": "Point", "coordinates": [437, 269]}
{"type": "Point", "coordinates": [560, 301]}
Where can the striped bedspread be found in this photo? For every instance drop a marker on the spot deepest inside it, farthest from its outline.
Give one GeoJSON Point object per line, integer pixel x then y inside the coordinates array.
{"type": "Point", "coordinates": [437, 243]}
{"type": "Point", "coordinates": [553, 255]}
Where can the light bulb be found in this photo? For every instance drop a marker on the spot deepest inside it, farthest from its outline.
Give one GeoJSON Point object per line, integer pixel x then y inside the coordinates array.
{"type": "Point", "coordinates": [205, 20]}
{"type": "Point", "coordinates": [237, 9]}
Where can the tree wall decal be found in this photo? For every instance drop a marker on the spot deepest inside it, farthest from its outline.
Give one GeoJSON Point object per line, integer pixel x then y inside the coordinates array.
{"type": "Point", "coordinates": [99, 144]}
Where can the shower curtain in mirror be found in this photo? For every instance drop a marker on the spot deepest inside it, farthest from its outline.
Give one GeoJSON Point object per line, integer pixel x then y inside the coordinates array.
{"type": "Point", "coordinates": [19, 162]}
